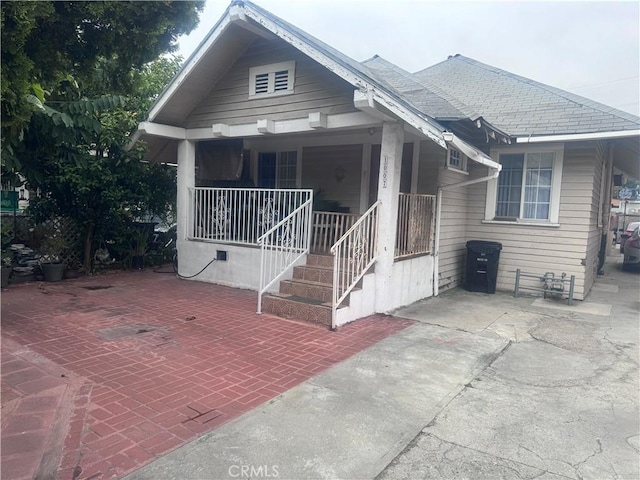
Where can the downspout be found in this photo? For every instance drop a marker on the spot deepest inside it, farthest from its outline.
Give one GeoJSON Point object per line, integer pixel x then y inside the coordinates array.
{"type": "Point", "coordinates": [449, 138]}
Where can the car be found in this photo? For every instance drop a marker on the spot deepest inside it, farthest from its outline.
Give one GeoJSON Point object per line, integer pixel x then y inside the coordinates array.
{"type": "Point", "coordinates": [627, 233]}
{"type": "Point", "coordinates": [631, 257]}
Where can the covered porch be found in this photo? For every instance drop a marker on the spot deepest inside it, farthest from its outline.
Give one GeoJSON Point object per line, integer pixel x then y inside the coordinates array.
{"type": "Point", "coordinates": [261, 233]}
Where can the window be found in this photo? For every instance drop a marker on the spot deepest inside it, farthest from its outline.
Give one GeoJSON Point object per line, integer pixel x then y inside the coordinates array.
{"type": "Point", "coordinates": [271, 80]}
{"type": "Point", "coordinates": [456, 160]}
{"type": "Point", "coordinates": [528, 188]}
{"type": "Point", "coordinates": [287, 168]}
{"type": "Point", "coordinates": [278, 170]}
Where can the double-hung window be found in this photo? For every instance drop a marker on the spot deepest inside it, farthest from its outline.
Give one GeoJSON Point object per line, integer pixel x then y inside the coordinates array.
{"type": "Point", "coordinates": [528, 188]}
{"type": "Point", "coordinates": [456, 160]}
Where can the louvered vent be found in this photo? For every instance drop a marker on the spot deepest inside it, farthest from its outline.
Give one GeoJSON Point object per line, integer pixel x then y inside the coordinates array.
{"type": "Point", "coordinates": [274, 79]}
{"type": "Point", "coordinates": [262, 83]}
{"type": "Point", "coordinates": [281, 80]}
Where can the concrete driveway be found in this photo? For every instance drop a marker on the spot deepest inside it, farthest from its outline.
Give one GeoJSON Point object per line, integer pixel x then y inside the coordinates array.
{"type": "Point", "coordinates": [561, 402]}
{"type": "Point", "coordinates": [103, 375]}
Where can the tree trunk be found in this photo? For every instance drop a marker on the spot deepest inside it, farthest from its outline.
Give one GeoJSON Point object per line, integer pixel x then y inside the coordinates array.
{"type": "Point", "coordinates": [88, 241]}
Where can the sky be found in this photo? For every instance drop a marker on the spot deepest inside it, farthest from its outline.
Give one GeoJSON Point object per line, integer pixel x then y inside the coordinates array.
{"type": "Point", "coordinates": [591, 49]}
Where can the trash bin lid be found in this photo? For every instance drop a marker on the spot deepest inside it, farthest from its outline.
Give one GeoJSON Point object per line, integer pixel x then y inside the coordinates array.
{"type": "Point", "coordinates": [484, 245]}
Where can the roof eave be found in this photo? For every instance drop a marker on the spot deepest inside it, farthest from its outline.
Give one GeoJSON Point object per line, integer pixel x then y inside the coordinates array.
{"type": "Point", "coordinates": [574, 137]}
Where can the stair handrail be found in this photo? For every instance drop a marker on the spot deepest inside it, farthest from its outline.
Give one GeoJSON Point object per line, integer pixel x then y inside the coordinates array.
{"type": "Point", "coordinates": [303, 237]}
{"type": "Point", "coordinates": [366, 247]}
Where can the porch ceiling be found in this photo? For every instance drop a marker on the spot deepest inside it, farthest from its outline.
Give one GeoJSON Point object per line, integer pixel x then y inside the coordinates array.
{"type": "Point", "coordinates": [626, 156]}
{"type": "Point", "coordinates": [161, 150]}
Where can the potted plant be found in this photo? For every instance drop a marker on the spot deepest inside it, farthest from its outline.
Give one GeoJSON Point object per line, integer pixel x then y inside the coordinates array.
{"type": "Point", "coordinates": [51, 251]}
{"type": "Point", "coordinates": [140, 233]}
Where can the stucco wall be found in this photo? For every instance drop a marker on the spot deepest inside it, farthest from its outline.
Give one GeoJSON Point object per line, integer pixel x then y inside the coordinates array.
{"type": "Point", "coordinates": [241, 270]}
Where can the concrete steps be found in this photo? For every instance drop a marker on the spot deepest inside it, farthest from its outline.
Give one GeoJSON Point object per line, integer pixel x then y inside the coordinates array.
{"type": "Point", "coordinates": [307, 296]}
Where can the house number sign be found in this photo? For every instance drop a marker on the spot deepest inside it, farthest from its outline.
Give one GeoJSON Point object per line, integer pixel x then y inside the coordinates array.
{"type": "Point", "coordinates": [385, 171]}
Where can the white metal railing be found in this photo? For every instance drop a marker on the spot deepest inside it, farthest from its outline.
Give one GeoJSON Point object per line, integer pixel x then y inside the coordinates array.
{"type": "Point", "coordinates": [328, 227]}
{"type": "Point", "coordinates": [239, 215]}
{"type": "Point", "coordinates": [416, 216]}
{"type": "Point", "coordinates": [353, 255]}
{"type": "Point", "coordinates": [283, 245]}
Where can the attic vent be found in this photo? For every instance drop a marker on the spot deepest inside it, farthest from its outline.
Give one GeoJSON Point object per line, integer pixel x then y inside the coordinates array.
{"type": "Point", "coordinates": [262, 83]}
{"type": "Point", "coordinates": [281, 80]}
{"type": "Point", "coordinates": [271, 80]}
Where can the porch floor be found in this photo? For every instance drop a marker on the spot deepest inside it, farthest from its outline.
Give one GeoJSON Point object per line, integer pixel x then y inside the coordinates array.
{"type": "Point", "coordinates": [116, 370]}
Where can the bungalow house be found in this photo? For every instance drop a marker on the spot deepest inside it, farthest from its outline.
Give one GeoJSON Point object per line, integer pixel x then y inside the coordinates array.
{"type": "Point", "coordinates": [337, 188]}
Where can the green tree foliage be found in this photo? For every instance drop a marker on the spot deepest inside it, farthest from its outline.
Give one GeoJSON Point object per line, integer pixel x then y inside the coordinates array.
{"type": "Point", "coordinates": [85, 171]}
{"type": "Point", "coordinates": [76, 79]}
{"type": "Point", "coordinates": [47, 45]}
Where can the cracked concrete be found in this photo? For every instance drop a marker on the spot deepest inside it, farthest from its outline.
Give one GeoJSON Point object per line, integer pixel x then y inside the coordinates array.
{"type": "Point", "coordinates": [561, 402]}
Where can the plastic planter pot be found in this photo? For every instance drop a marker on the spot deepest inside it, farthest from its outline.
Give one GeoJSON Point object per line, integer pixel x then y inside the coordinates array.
{"type": "Point", "coordinates": [52, 272]}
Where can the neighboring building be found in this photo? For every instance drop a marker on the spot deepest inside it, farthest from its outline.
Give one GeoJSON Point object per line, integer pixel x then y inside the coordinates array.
{"type": "Point", "coordinates": [262, 115]}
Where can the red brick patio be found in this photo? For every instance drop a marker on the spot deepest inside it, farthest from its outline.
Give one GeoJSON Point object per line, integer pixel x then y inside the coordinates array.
{"type": "Point", "coordinates": [144, 362]}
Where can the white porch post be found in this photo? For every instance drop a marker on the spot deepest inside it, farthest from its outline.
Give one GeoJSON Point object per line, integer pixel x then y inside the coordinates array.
{"type": "Point", "coordinates": [388, 190]}
{"type": "Point", "coordinates": [364, 179]}
{"type": "Point", "coordinates": [186, 180]}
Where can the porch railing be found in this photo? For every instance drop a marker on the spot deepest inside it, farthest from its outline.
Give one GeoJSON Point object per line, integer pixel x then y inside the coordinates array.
{"type": "Point", "coordinates": [353, 255]}
{"type": "Point", "coordinates": [416, 217]}
{"type": "Point", "coordinates": [239, 215]}
{"type": "Point", "coordinates": [283, 245]}
{"type": "Point", "coordinates": [329, 227]}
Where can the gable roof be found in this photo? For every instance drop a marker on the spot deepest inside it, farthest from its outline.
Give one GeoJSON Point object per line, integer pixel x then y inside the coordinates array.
{"type": "Point", "coordinates": [520, 106]}
{"type": "Point", "coordinates": [177, 100]}
{"type": "Point", "coordinates": [459, 88]}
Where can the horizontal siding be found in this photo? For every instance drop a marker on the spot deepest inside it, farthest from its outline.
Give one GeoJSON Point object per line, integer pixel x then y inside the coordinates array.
{"type": "Point", "coordinates": [537, 250]}
{"type": "Point", "coordinates": [595, 232]}
{"type": "Point", "coordinates": [319, 166]}
{"type": "Point", "coordinates": [316, 90]}
{"type": "Point", "coordinates": [453, 221]}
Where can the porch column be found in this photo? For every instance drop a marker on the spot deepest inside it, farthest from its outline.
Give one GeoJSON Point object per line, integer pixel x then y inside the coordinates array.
{"type": "Point", "coordinates": [186, 179]}
{"type": "Point", "coordinates": [388, 190]}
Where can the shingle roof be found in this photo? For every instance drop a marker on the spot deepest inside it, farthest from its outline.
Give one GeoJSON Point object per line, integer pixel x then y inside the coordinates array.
{"type": "Point", "coordinates": [430, 101]}
{"type": "Point", "coordinates": [520, 106]}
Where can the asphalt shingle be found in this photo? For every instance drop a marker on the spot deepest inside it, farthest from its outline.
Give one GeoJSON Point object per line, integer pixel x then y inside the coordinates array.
{"type": "Point", "coordinates": [518, 105]}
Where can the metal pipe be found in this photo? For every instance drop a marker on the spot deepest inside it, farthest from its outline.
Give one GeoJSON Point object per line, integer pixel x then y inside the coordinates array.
{"type": "Point", "coordinates": [436, 246]}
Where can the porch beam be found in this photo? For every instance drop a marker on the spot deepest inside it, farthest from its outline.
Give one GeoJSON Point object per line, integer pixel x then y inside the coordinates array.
{"type": "Point", "coordinates": [310, 123]}
{"type": "Point", "coordinates": [318, 120]}
{"type": "Point", "coordinates": [364, 102]}
{"type": "Point", "coordinates": [160, 130]}
{"type": "Point", "coordinates": [265, 125]}
{"type": "Point", "coordinates": [220, 130]}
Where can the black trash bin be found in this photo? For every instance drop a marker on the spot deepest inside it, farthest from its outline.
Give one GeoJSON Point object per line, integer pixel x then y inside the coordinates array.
{"type": "Point", "coordinates": [481, 271]}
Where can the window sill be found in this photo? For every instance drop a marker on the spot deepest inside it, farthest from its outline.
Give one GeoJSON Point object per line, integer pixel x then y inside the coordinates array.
{"type": "Point", "coordinates": [457, 170]}
{"type": "Point", "coordinates": [280, 93]}
{"type": "Point", "coordinates": [522, 223]}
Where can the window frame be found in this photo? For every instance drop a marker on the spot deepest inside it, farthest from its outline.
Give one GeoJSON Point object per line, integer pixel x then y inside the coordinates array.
{"type": "Point", "coordinates": [462, 158]}
{"type": "Point", "coordinates": [271, 70]}
{"type": "Point", "coordinates": [286, 161]}
{"type": "Point", "coordinates": [556, 185]}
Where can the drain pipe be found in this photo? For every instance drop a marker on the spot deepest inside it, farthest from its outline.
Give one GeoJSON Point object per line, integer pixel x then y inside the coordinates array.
{"type": "Point", "coordinates": [476, 156]}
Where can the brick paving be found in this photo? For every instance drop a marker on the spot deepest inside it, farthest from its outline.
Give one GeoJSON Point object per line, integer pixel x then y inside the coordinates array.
{"type": "Point", "coordinates": [148, 363]}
